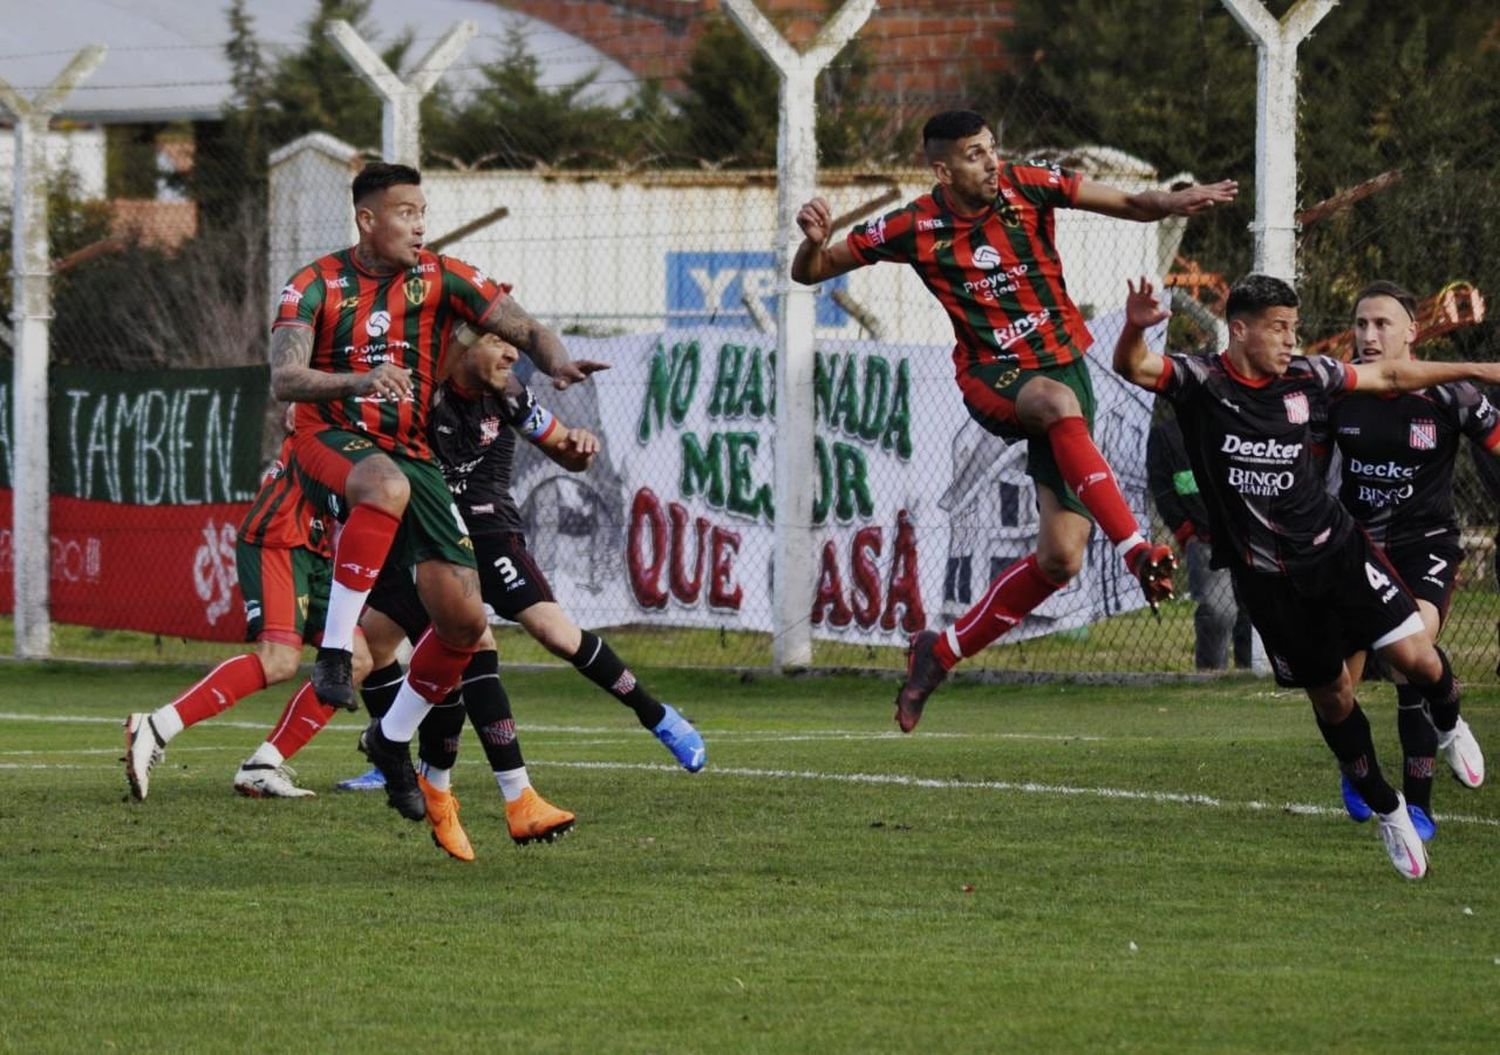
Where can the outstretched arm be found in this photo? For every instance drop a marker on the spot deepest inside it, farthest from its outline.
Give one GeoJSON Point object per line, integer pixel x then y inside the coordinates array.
{"type": "Point", "coordinates": [1409, 375]}
{"type": "Point", "coordinates": [294, 381]}
{"type": "Point", "coordinates": [510, 322]}
{"type": "Point", "coordinates": [1133, 360]}
{"type": "Point", "coordinates": [816, 260]}
{"type": "Point", "coordinates": [1147, 205]}
{"type": "Point", "coordinates": [573, 449]}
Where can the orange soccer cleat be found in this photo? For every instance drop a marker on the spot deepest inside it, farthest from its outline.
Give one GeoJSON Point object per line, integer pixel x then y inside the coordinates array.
{"type": "Point", "coordinates": [533, 819]}
{"type": "Point", "coordinates": [442, 814]}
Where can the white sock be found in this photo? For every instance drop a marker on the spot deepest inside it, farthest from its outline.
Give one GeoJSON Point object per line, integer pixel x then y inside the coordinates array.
{"type": "Point", "coordinates": [344, 606]}
{"type": "Point", "coordinates": [266, 755]}
{"type": "Point", "coordinates": [400, 722]}
{"type": "Point", "coordinates": [440, 779]}
{"type": "Point", "coordinates": [167, 721]}
{"type": "Point", "coordinates": [512, 782]}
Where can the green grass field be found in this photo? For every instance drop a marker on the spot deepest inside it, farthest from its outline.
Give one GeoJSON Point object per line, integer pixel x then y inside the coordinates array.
{"type": "Point", "coordinates": [1041, 868]}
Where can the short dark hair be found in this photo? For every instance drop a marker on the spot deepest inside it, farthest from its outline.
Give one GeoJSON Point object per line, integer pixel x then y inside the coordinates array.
{"type": "Point", "coordinates": [378, 175]}
{"type": "Point", "coordinates": [943, 130]}
{"type": "Point", "coordinates": [1253, 294]}
{"type": "Point", "coordinates": [1400, 294]}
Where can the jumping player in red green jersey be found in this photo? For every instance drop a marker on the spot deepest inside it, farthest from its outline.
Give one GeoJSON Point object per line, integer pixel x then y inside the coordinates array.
{"type": "Point", "coordinates": [983, 243]}
{"type": "Point", "coordinates": [358, 343]}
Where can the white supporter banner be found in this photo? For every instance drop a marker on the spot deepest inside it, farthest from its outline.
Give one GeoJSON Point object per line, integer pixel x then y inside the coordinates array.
{"type": "Point", "coordinates": [916, 507]}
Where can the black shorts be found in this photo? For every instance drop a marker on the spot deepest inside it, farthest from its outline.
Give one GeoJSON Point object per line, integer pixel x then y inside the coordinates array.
{"type": "Point", "coordinates": [395, 597]}
{"type": "Point", "coordinates": [1429, 567]}
{"type": "Point", "coordinates": [1351, 600]}
{"type": "Point", "coordinates": [509, 581]}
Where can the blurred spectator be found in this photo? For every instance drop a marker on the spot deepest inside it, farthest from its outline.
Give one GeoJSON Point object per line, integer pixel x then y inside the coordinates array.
{"type": "Point", "coordinates": [1218, 620]}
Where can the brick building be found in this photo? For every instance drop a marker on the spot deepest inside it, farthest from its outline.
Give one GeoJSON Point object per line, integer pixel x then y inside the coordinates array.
{"type": "Point", "coordinates": [925, 52]}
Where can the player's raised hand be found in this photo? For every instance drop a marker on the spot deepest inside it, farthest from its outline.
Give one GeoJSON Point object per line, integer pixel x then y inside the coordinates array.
{"type": "Point", "coordinates": [1142, 309]}
{"type": "Point", "coordinates": [580, 443]}
{"type": "Point", "coordinates": [1203, 196]}
{"type": "Point", "coordinates": [386, 381]}
{"type": "Point", "coordinates": [576, 370]}
{"type": "Point", "coordinates": [816, 220]}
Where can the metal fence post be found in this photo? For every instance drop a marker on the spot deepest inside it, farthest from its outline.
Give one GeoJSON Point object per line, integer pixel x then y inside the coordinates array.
{"type": "Point", "coordinates": [32, 315]}
{"type": "Point", "coordinates": [1276, 42]}
{"type": "Point", "coordinates": [401, 117]}
{"type": "Point", "coordinates": [793, 570]}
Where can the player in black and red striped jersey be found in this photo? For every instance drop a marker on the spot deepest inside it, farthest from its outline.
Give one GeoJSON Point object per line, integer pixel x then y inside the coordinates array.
{"type": "Point", "coordinates": [1314, 583]}
{"type": "Point", "coordinates": [359, 339]}
{"type": "Point", "coordinates": [984, 243]}
{"type": "Point", "coordinates": [1397, 479]}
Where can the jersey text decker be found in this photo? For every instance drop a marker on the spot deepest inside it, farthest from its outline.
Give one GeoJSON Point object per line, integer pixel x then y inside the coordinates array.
{"type": "Point", "coordinates": [997, 273]}
{"type": "Point", "coordinates": [475, 446]}
{"type": "Point", "coordinates": [1251, 445]}
{"type": "Point", "coordinates": [360, 321]}
{"type": "Point", "coordinates": [280, 515]}
{"type": "Point", "coordinates": [1398, 457]}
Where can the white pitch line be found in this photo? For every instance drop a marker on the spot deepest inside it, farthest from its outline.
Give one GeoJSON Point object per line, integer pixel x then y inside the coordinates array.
{"type": "Point", "coordinates": [1027, 787]}
{"type": "Point", "coordinates": [738, 735]}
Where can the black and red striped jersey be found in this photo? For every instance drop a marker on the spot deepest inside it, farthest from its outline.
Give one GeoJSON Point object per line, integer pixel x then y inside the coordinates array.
{"type": "Point", "coordinates": [996, 273]}
{"type": "Point", "coordinates": [361, 320]}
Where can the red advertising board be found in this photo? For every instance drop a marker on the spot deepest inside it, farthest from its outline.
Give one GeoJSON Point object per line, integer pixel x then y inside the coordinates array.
{"type": "Point", "coordinates": [166, 569]}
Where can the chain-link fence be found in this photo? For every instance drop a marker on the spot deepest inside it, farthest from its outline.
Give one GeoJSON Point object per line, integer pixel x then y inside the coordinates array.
{"type": "Point", "coordinates": [639, 218]}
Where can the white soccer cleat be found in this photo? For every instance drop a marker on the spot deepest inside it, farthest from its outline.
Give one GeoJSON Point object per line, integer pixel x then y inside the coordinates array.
{"type": "Point", "coordinates": [1462, 752]}
{"type": "Point", "coordinates": [261, 780]}
{"type": "Point", "coordinates": [143, 749]}
{"type": "Point", "coordinates": [1402, 843]}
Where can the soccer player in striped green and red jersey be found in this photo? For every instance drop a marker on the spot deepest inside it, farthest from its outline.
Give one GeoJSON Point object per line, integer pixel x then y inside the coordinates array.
{"type": "Point", "coordinates": [359, 339]}
{"type": "Point", "coordinates": [983, 242]}
{"type": "Point", "coordinates": [281, 556]}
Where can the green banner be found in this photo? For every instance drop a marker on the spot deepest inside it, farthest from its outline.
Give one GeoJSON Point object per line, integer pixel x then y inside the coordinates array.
{"type": "Point", "coordinates": [149, 437]}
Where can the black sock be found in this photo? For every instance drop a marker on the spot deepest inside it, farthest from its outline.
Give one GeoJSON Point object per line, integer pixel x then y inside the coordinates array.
{"type": "Point", "coordinates": [596, 661]}
{"type": "Point", "coordinates": [1442, 696]}
{"type": "Point", "coordinates": [1351, 744]}
{"type": "Point", "coordinates": [1419, 739]}
{"type": "Point", "coordinates": [489, 712]}
{"type": "Point", "coordinates": [437, 736]}
{"type": "Point", "coordinates": [380, 688]}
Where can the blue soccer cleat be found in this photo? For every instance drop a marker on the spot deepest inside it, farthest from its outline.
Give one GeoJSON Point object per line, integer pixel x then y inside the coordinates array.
{"type": "Point", "coordinates": [680, 738]}
{"type": "Point", "coordinates": [371, 781]}
{"type": "Point", "coordinates": [1354, 803]}
{"type": "Point", "coordinates": [1425, 825]}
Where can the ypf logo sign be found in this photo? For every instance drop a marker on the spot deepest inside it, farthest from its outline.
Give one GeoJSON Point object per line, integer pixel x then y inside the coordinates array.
{"type": "Point", "coordinates": [710, 289]}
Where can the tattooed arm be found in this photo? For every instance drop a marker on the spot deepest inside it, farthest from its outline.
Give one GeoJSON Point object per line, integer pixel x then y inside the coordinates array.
{"type": "Point", "coordinates": [293, 380]}
{"type": "Point", "coordinates": [511, 322]}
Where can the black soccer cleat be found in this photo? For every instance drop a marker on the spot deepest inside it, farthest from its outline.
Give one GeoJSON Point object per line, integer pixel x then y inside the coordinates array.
{"type": "Point", "coordinates": [923, 674]}
{"type": "Point", "coordinates": [402, 793]}
{"type": "Point", "coordinates": [333, 678]}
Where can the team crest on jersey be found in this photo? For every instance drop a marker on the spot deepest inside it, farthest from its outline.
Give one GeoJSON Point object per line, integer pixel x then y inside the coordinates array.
{"type": "Point", "coordinates": [415, 290]}
{"type": "Point", "coordinates": [489, 430]}
{"type": "Point", "coordinates": [1296, 408]}
{"type": "Point", "coordinates": [1423, 435]}
{"type": "Point", "coordinates": [1009, 215]}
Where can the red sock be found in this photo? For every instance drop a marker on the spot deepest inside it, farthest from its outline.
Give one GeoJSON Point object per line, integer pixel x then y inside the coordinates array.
{"type": "Point", "coordinates": [436, 667]}
{"type": "Point", "coordinates": [1091, 478]}
{"type": "Point", "coordinates": [227, 684]}
{"type": "Point", "coordinates": [304, 715]}
{"type": "Point", "coordinates": [363, 545]}
{"type": "Point", "coordinates": [1016, 590]}
{"type": "Point", "coordinates": [362, 548]}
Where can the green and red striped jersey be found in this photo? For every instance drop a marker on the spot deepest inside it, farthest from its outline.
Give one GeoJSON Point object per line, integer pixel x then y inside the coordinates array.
{"type": "Point", "coordinates": [997, 273]}
{"type": "Point", "coordinates": [280, 516]}
{"type": "Point", "coordinates": [360, 320]}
